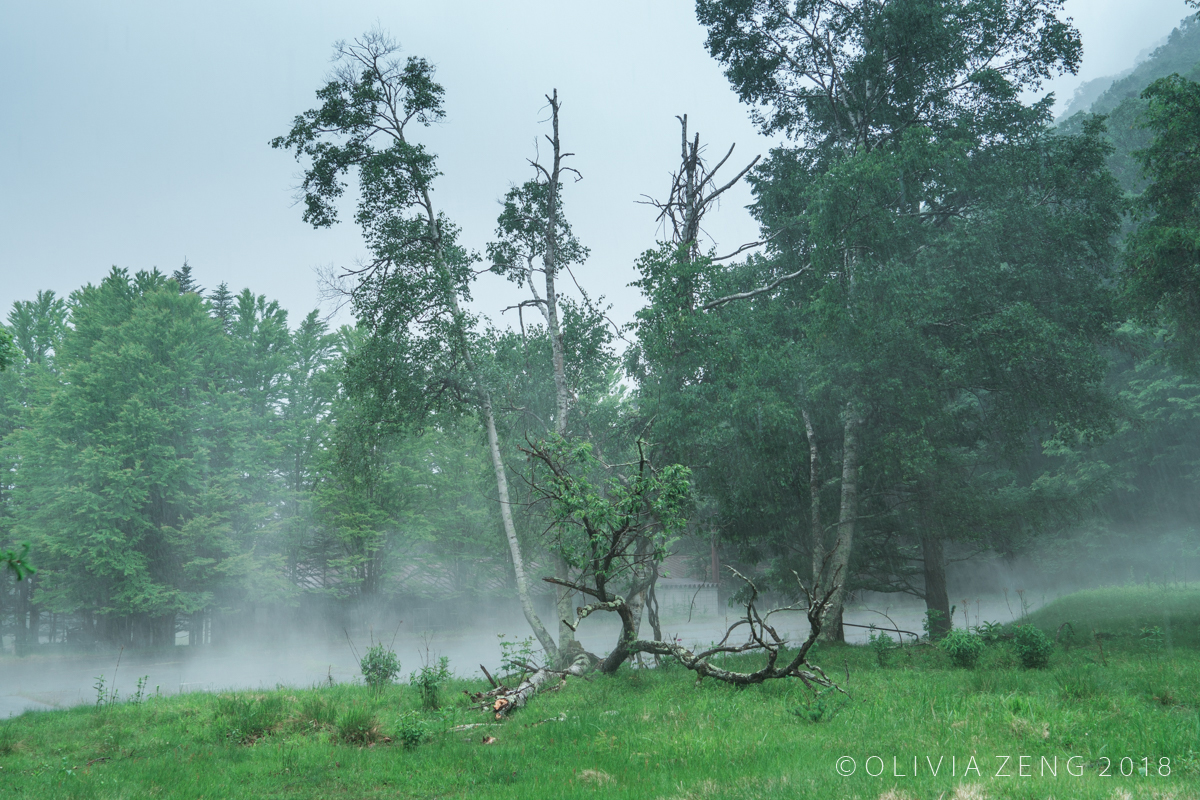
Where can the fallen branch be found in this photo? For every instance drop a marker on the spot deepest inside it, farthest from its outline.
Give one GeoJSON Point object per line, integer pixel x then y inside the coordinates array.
{"type": "Point", "coordinates": [502, 700]}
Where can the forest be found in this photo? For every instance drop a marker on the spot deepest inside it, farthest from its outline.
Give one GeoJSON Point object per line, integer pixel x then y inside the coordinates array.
{"type": "Point", "coordinates": [743, 532]}
{"type": "Point", "coordinates": [966, 333]}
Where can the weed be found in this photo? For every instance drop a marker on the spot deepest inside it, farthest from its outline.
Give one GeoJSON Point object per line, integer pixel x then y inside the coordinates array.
{"type": "Point", "coordinates": [249, 718]}
{"type": "Point", "coordinates": [933, 619]}
{"type": "Point", "coordinates": [822, 706]}
{"type": "Point", "coordinates": [1033, 647]}
{"type": "Point", "coordinates": [990, 632]}
{"type": "Point", "coordinates": [429, 681]}
{"type": "Point", "coordinates": [358, 725]}
{"type": "Point", "coordinates": [963, 647]}
{"type": "Point", "coordinates": [140, 694]}
{"type": "Point", "coordinates": [318, 712]}
{"type": "Point", "coordinates": [881, 645]}
{"type": "Point", "coordinates": [411, 730]}
{"type": "Point", "coordinates": [517, 658]}
{"type": "Point", "coordinates": [1151, 639]}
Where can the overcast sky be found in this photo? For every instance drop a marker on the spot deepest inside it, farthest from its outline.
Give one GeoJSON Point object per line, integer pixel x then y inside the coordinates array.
{"type": "Point", "coordinates": [135, 133]}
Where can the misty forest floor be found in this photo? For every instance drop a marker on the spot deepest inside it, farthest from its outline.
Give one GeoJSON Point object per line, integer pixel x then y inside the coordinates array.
{"type": "Point", "coordinates": [656, 734]}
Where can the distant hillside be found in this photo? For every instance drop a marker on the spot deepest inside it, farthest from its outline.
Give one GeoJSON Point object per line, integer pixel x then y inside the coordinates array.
{"type": "Point", "coordinates": [1123, 106]}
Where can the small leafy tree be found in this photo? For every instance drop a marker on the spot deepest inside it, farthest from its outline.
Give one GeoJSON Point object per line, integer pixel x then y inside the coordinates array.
{"type": "Point", "coordinates": [379, 666]}
{"type": "Point", "coordinates": [429, 680]}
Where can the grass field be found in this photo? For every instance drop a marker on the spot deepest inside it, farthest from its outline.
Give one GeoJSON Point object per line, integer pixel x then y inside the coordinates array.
{"type": "Point", "coordinates": [997, 730]}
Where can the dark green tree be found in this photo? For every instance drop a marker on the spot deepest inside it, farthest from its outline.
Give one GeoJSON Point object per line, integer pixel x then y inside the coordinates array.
{"type": "Point", "coordinates": [1162, 277]}
{"type": "Point", "coordinates": [915, 226]}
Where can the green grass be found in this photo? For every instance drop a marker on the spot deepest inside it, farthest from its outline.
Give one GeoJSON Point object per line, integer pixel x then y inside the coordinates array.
{"type": "Point", "coordinates": [650, 734]}
{"type": "Point", "coordinates": [1124, 611]}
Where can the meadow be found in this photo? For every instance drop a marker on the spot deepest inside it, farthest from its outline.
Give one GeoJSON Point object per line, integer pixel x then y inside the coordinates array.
{"type": "Point", "coordinates": [1115, 714]}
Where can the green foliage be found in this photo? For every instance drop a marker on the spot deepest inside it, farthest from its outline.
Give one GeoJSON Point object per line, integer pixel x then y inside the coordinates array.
{"type": "Point", "coordinates": [963, 647]}
{"type": "Point", "coordinates": [1162, 277]}
{"type": "Point", "coordinates": [932, 622]}
{"type": "Point", "coordinates": [379, 666]}
{"type": "Point", "coordinates": [411, 730]}
{"type": "Point", "coordinates": [990, 632]}
{"type": "Point", "coordinates": [1032, 646]}
{"type": "Point", "coordinates": [105, 695]}
{"type": "Point", "coordinates": [882, 646]}
{"type": "Point", "coordinates": [429, 680]}
{"type": "Point", "coordinates": [822, 706]}
{"type": "Point", "coordinates": [604, 514]}
{"type": "Point", "coordinates": [517, 658]}
{"type": "Point", "coordinates": [18, 562]}
{"type": "Point", "coordinates": [1151, 638]}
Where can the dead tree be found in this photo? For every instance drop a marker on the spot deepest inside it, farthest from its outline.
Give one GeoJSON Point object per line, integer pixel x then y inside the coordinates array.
{"type": "Point", "coordinates": [535, 245]}
{"type": "Point", "coordinates": [623, 525]}
{"type": "Point", "coordinates": [761, 637]}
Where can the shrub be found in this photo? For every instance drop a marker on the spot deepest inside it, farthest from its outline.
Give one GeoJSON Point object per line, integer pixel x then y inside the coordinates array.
{"type": "Point", "coordinates": [358, 725]}
{"type": "Point", "coordinates": [379, 666]}
{"type": "Point", "coordinates": [429, 680]}
{"type": "Point", "coordinates": [881, 645]}
{"type": "Point", "coordinates": [990, 632]}
{"type": "Point", "coordinates": [963, 647]}
{"type": "Point", "coordinates": [411, 730]}
{"type": "Point", "coordinates": [1033, 647]}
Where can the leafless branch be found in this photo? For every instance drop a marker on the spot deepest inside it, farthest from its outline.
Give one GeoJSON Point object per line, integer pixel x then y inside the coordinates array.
{"type": "Point", "coordinates": [729, 298]}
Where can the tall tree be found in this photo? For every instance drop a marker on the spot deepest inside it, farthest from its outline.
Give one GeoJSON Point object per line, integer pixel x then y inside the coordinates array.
{"type": "Point", "coordinates": [535, 244]}
{"type": "Point", "coordinates": [114, 469]}
{"type": "Point", "coordinates": [410, 294]}
{"type": "Point", "coordinates": [904, 115]}
{"type": "Point", "coordinates": [1162, 254]}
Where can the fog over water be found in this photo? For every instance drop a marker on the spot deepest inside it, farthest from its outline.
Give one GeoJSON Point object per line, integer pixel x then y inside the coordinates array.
{"type": "Point", "coordinates": [298, 659]}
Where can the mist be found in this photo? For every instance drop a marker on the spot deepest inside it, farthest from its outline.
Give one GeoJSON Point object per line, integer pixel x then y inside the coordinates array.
{"type": "Point", "coordinates": [540, 404]}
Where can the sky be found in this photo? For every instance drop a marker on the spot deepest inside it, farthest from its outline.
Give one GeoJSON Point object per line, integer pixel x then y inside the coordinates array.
{"type": "Point", "coordinates": [135, 133]}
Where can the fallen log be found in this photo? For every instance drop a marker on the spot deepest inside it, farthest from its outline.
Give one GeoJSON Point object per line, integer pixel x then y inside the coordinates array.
{"type": "Point", "coordinates": [502, 700]}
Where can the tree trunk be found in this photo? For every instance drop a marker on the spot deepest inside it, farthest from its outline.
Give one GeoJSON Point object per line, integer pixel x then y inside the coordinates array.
{"type": "Point", "coordinates": [937, 601]}
{"type": "Point", "coordinates": [839, 562]}
{"type": "Point", "coordinates": [817, 530]}
{"type": "Point", "coordinates": [563, 596]}
{"type": "Point", "coordinates": [510, 532]}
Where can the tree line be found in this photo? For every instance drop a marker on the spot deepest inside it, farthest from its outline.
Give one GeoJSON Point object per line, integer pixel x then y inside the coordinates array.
{"type": "Point", "coordinates": [960, 332]}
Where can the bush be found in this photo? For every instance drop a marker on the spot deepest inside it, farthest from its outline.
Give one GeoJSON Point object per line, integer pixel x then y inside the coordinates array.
{"type": "Point", "coordinates": [358, 725]}
{"type": "Point", "coordinates": [990, 632]}
{"type": "Point", "coordinates": [881, 645]}
{"type": "Point", "coordinates": [1033, 647]}
{"type": "Point", "coordinates": [379, 666]}
{"type": "Point", "coordinates": [429, 680]}
{"type": "Point", "coordinates": [963, 647]}
{"type": "Point", "coordinates": [411, 730]}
